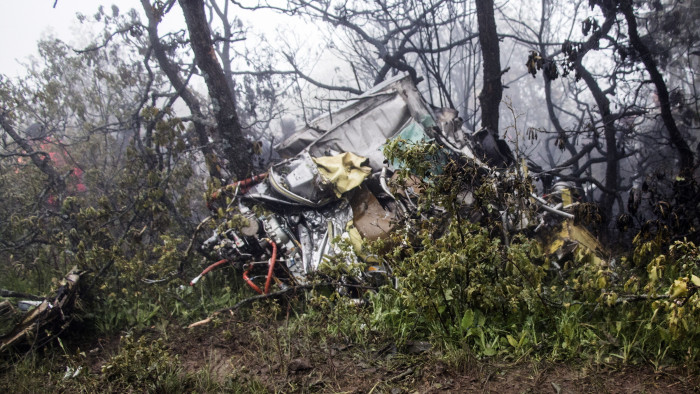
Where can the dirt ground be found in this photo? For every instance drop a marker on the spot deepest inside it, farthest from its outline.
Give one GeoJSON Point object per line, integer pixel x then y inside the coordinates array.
{"type": "Point", "coordinates": [255, 351]}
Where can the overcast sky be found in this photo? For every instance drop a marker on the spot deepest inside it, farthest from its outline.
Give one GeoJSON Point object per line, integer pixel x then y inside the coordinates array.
{"type": "Point", "coordinates": [24, 22]}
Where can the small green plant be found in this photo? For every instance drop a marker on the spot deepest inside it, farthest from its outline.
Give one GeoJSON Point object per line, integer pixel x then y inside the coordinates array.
{"type": "Point", "coordinates": [475, 289]}
{"type": "Point", "coordinates": [143, 365]}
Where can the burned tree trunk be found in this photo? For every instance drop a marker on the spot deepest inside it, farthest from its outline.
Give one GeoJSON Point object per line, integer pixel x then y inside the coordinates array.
{"type": "Point", "coordinates": [492, 91]}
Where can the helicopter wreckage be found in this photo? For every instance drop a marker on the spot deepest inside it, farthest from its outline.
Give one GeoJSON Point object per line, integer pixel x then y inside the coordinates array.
{"type": "Point", "coordinates": [278, 228]}
{"type": "Point", "coordinates": [334, 185]}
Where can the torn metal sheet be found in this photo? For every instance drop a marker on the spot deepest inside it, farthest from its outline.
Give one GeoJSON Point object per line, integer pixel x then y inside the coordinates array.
{"type": "Point", "coordinates": [333, 185]}
{"type": "Point", "coordinates": [305, 212]}
{"type": "Point", "coordinates": [363, 126]}
{"type": "Point", "coordinates": [299, 180]}
{"type": "Point", "coordinates": [324, 226]}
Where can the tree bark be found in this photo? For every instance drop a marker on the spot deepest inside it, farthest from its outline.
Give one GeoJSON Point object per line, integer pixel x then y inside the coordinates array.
{"type": "Point", "coordinates": [609, 132]}
{"type": "Point", "coordinates": [238, 149]}
{"type": "Point", "coordinates": [171, 71]}
{"type": "Point", "coordinates": [681, 145]}
{"type": "Point", "coordinates": [492, 91]}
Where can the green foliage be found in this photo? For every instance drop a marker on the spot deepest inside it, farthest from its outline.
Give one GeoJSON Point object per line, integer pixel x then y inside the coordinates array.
{"type": "Point", "coordinates": [143, 364]}
{"type": "Point", "coordinates": [127, 213]}
{"type": "Point", "coordinates": [472, 285]}
{"type": "Point", "coordinates": [462, 284]}
{"type": "Point", "coordinates": [465, 282]}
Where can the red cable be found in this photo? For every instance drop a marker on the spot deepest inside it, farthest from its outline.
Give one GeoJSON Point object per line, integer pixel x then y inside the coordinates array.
{"type": "Point", "coordinates": [270, 272]}
{"type": "Point", "coordinates": [250, 282]}
{"type": "Point", "coordinates": [243, 185]}
{"type": "Point", "coordinates": [247, 183]}
{"type": "Point", "coordinates": [206, 270]}
{"type": "Point", "coordinates": [273, 258]}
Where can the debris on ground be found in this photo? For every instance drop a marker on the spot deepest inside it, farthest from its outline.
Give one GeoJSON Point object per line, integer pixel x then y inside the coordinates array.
{"type": "Point", "coordinates": [33, 318]}
{"type": "Point", "coordinates": [279, 227]}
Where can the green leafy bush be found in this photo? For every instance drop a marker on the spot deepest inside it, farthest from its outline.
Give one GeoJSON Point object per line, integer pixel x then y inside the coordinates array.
{"type": "Point", "coordinates": [474, 285]}
{"type": "Point", "coordinates": [143, 365]}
